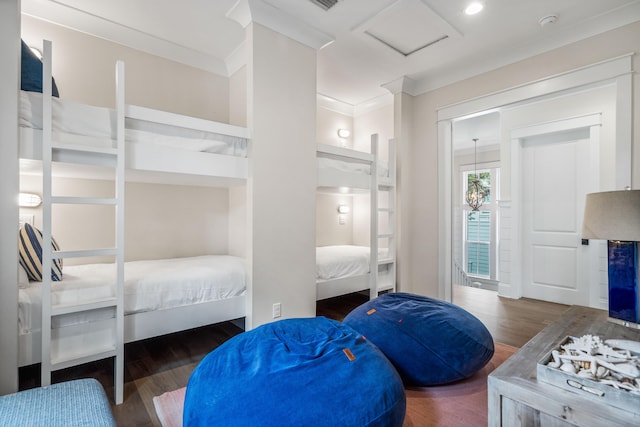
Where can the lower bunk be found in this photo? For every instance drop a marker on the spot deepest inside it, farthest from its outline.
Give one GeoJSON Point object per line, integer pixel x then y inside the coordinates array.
{"type": "Point", "coordinates": [345, 269]}
{"type": "Point", "coordinates": [161, 297]}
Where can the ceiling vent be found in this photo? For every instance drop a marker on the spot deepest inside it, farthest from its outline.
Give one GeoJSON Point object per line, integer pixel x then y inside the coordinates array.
{"type": "Point", "coordinates": [325, 4]}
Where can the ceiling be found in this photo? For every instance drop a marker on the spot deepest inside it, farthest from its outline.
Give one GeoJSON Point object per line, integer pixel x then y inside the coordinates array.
{"type": "Point", "coordinates": [363, 45]}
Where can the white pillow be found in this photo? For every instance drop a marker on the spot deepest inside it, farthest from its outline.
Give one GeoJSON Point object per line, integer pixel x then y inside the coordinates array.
{"type": "Point", "coordinates": [23, 278]}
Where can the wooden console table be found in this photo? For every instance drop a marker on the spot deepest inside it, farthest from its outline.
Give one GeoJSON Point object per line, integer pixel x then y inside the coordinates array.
{"type": "Point", "coordinates": [517, 398]}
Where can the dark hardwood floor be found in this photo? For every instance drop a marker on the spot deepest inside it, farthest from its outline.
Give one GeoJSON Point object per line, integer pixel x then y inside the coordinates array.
{"type": "Point", "coordinates": [162, 364]}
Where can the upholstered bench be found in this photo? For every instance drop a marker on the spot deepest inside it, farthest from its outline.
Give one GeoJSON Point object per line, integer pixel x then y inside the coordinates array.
{"type": "Point", "coordinates": [295, 372]}
{"type": "Point", "coordinates": [429, 341]}
{"type": "Point", "coordinates": [68, 404]}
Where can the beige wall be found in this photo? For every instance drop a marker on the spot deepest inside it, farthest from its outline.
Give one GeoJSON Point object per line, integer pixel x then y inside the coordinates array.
{"type": "Point", "coordinates": [238, 98]}
{"type": "Point", "coordinates": [84, 69]}
{"type": "Point", "coordinates": [356, 231]}
{"type": "Point", "coordinates": [329, 231]}
{"type": "Point", "coordinates": [162, 221]}
{"type": "Point", "coordinates": [422, 243]}
{"type": "Point", "coordinates": [378, 121]}
{"type": "Point", "coordinates": [328, 123]}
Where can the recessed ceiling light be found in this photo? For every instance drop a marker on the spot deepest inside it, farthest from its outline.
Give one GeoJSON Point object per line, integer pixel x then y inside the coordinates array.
{"type": "Point", "coordinates": [474, 8]}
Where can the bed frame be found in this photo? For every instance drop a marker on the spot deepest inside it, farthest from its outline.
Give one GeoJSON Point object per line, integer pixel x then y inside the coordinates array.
{"type": "Point", "coordinates": [139, 326]}
{"type": "Point", "coordinates": [331, 180]}
{"type": "Point", "coordinates": [143, 162]}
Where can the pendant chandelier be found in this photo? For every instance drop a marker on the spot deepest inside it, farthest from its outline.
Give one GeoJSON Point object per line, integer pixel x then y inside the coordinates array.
{"type": "Point", "coordinates": [476, 193]}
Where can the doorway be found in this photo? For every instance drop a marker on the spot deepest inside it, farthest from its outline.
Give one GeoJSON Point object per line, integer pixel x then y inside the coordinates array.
{"type": "Point", "coordinates": [615, 161]}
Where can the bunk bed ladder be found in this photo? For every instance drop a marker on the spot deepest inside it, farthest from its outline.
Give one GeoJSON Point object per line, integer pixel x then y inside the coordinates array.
{"type": "Point", "coordinates": [374, 232]}
{"type": "Point", "coordinates": [387, 263]}
{"type": "Point", "coordinates": [107, 339]}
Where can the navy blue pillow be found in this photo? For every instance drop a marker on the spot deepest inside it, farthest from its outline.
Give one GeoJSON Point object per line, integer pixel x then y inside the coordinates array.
{"type": "Point", "coordinates": [295, 372]}
{"type": "Point", "coordinates": [31, 72]}
{"type": "Point", "coordinates": [429, 341]}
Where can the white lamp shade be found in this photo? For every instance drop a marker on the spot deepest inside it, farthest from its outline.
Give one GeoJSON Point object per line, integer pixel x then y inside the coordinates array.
{"type": "Point", "coordinates": [612, 215]}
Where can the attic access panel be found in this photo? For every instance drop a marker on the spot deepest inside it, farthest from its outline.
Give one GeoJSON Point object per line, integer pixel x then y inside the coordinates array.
{"type": "Point", "coordinates": [408, 26]}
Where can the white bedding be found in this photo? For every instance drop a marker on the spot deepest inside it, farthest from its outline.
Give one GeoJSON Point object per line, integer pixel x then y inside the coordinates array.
{"type": "Point", "coordinates": [74, 122]}
{"type": "Point", "coordinates": [340, 261]}
{"type": "Point", "coordinates": [149, 285]}
{"type": "Point", "coordinates": [354, 167]}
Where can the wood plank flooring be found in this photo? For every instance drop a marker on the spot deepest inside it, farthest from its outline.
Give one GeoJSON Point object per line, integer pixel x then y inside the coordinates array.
{"type": "Point", "coordinates": [162, 364]}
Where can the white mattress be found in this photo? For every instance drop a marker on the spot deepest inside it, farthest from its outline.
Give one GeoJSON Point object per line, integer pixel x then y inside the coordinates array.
{"type": "Point", "coordinates": [149, 285]}
{"type": "Point", "coordinates": [353, 167]}
{"type": "Point", "coordinates": [340, 261]}
{"type": "Point", "coordinates": [74, 122]}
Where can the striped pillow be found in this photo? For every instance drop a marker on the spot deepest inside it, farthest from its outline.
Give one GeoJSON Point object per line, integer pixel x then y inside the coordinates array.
{"type": "Point", "coordinates": [30, 251]}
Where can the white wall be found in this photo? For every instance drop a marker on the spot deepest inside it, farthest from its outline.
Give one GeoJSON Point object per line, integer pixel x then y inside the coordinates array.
{"type": "Point", "coordinates": [10, 72]}
{"type": "Point", "coordinates": [421, 246]}
{"type": "Point", "coordinates": [281, 76]}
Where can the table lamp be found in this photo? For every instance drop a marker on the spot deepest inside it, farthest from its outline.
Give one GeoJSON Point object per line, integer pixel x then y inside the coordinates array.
{"type": "Point", "coordinates": [615, 216]}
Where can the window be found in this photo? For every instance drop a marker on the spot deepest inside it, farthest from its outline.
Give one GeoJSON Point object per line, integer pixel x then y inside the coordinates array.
{"type": "Point", "coordinates": [480, 228]}
{"type": "Point", "coordinates": [478, 243]}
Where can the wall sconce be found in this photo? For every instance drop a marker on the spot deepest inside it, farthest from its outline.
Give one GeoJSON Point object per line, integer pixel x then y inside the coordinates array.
{"type": "Point", "coordinates": [344, 133]}
{"type": "Point", "coordinates": [29, 200]}
{"type": "Point", "coordinates": [343, 209]}
{"type": "Point", "coordinates": [615, 216]}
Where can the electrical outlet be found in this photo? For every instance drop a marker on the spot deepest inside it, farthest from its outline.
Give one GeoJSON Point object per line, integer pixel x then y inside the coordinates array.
{"type": "Point", "coordinates": [277, 310]}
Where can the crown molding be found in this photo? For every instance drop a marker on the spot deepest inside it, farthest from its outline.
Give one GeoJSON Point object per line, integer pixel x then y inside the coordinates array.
{"type": "Point", "coordinates": [246, 11]}
{"type": "Point", "coordinates": [402, 84]}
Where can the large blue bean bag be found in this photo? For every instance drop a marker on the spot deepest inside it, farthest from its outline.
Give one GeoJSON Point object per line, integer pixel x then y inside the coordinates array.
{"type": "Point", "coordinates": [429, 341]}
{"type": "Point", "coordinates": [295, 372]}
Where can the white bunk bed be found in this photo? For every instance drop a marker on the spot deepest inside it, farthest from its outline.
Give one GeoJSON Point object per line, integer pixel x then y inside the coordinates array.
{"type": "Point", "coordinates": [160, 297]}
{"type": "Point", "coordinates": [156, 142]}
{"type": "Point", "coordinates": [144, 145]}
{"type": "Point", "coordinates": [343, 269]}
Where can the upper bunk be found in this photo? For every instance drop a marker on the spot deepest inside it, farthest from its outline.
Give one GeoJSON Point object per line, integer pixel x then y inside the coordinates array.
{"type": "Point", "coordinates": [343, 168]}
{"type": "Point", "coordinates": [159, 146]}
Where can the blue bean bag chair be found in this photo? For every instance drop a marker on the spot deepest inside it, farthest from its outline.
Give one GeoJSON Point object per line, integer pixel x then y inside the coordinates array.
{"type": "Point", "coordinates": [295, 372]}
{"type": "Point", "coordinates": [429, 341]}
